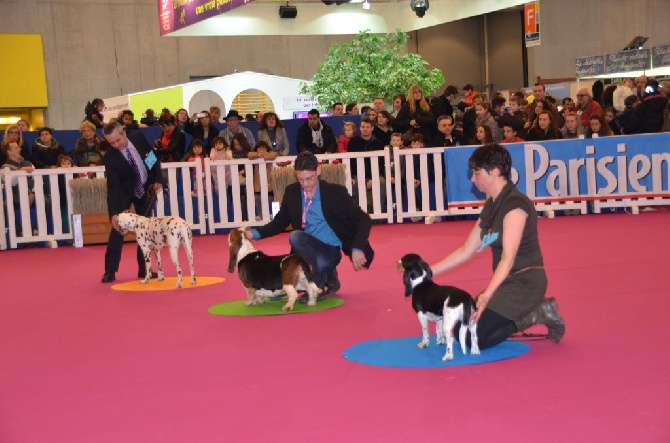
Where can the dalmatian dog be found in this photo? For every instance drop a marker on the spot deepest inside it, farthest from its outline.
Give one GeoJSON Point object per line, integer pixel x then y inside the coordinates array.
{"type": "Point", "coordinates": [152, 234]}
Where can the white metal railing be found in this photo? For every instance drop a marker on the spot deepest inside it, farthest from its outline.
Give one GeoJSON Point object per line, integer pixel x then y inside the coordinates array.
{"type": "Point", "coordinates": [212, 200]}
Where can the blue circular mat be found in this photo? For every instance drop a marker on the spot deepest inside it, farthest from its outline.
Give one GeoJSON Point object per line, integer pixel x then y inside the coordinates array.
{"type": "Point", "coordinates": [403, 353]}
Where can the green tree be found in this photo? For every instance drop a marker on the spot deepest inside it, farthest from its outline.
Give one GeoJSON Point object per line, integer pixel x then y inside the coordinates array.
{"type": "Point", "coordinates": [370, 66]}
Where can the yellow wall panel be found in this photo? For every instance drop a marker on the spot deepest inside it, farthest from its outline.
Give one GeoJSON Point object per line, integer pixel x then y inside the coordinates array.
{"type": "Point", "coordinates": [23, 81]}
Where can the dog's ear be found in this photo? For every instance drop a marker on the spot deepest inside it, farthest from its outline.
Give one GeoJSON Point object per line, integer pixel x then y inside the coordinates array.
{"type": "Point", "coordinates": [407, 280]}
{"type": "Point", "coordinates": [426, 268]}
{"type": "Point", "coordinates": [233, 245]}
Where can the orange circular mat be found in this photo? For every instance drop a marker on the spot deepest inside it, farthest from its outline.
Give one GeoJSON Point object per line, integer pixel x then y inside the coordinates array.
{"type": "Point", "coordinates": [169, 284]}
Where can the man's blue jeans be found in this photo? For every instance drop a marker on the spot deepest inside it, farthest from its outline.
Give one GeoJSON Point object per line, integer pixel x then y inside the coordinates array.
{"type": "Point", "coordinates": [323, 257]}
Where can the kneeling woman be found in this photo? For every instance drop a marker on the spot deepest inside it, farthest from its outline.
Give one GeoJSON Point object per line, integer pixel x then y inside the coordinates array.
{"type": "Point", "coordinates": [514, 298]}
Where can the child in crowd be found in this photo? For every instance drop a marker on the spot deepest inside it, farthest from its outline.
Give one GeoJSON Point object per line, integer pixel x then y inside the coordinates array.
{"type": "Point", "coordinates": [399, 170]}
{"type": "Point", "coordinates": [348, 131]}
{"type": "Point", "coordinates": [221, 151]}
{"type": "Point", "coordinates": [597, 127]}
{"type": "Point", "coordinates": [416, 142]}
{"type": "Point", "coordinates": [516, 110]}
{"type": "Point", "coordinates": [483, 135]}
{"type": "Point", "coordinates": [65, 161]}
{"type": "Point", "coordinates": [610, 116]}
{"type": "Point", "coordinates": [196, 154]}
{"type": "Point", "coordinates": [262, 151]}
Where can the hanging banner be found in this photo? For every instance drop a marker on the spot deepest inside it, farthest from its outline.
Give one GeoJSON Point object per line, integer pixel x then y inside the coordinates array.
{"type": "Point", "coordinates": [177, 14]}
{"type": "Point", "coordinates": [625, 61]}
{"type": "Point", "coordinates": [531, 19]}
{"type": "Point", "coordinates": [660, 56]}
{"type": "Point", "coordinates": [590, 66]}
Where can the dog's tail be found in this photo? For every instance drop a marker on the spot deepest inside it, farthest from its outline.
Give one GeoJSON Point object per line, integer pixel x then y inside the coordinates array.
{"type": "Point", "coordinates": [468, 310]}
{"type": "Point", "coordinates": [306, 269]}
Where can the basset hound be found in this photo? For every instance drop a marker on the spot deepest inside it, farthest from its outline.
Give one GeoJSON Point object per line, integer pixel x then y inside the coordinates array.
{"type": "Point", "coordinates": [444, 305]}
{"type": "Point", "coordinates": [266, 276]}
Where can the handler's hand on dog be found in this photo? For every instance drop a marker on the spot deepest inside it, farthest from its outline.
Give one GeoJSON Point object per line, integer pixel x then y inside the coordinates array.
{"type": "Point", "coordinates": [482, 301]}
{"type": "Point", "coordinates": [358, 259]}
{"type": "Point", "coordinates": [115, 223]}
{"type": "Point", "coordinates": [158, 188]}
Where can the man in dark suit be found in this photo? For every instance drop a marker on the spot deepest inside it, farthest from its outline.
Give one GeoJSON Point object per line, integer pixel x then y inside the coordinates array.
{"type": "Point", "coordinates": [325, 220]}
{"type": "Point", "coordinates": [132, 169]}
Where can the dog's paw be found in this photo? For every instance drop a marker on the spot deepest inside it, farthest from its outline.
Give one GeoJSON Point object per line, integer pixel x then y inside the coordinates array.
{"type": "Point", "coordinates": [193, 281]}
{"type": "Point", "coordinates": [287, 307]}
{"type": "Point", "coordinates": [448, 357]}
{"type": "Point", "coordinates": [475, 351]}
{"type": "Point", "coordinates": [441, 340]}
{"type": "Point", "coordinates": [144, 281]}
{"type": "Point", "coordinates": [422, 345]}
{"type": "Point", "coordinates": [161, 277]}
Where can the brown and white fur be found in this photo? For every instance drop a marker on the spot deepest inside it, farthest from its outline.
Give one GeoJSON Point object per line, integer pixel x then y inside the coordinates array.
{"type": "Point", "coordinates": [444, 305]}
{"type": "Point", "coordinates": [265, 276]}
{"type": "Point", "coordinates": [153, 233]}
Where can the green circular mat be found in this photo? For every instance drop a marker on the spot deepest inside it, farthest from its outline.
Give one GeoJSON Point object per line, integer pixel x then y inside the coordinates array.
{"type": "Point", "coordinates": [271, 307]}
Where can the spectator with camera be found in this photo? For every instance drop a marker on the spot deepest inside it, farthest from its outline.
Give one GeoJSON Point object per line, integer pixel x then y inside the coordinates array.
{"type": "Point", "coordinates": [649, 114]}
{"type": "Point", "coordinates": [200, 127]}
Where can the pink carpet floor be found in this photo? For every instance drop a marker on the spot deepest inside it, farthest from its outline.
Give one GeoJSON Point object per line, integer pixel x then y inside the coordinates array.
{"type": "Point", "coordinates": [83, 363]}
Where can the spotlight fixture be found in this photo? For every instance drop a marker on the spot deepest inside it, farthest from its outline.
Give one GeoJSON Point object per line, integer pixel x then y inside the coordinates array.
{"type": "Point", "coordinates": [419, 7]}
{"type": "Point", "coordinates": [337, 2]}
{"type": "Point", "coordinates": [636, 43]}
{"type": "Point", "coordinates": [286, 11]}
{"type": "Point", "coordinates": [366, 5]}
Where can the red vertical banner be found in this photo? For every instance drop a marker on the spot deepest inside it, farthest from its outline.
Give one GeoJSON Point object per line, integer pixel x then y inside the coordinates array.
{"type": "Point", "coordinates": [166, 16]}
{"type": "Point", "coordinates": [531, 23]}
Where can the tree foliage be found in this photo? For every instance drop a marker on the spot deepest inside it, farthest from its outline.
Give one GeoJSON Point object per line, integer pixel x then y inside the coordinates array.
{"type": "Point", "coordinates": [370, 66]}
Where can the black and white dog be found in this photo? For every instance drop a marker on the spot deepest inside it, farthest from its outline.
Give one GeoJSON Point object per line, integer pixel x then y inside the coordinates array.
{"type": "Point", "coordinates": [444, 305]}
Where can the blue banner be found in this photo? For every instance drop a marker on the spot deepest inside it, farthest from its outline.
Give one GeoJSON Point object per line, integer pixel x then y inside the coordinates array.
{"type": "Point", "coordinates": [606, 167]}
{"type": "Point", "coordinates": [625, 61]}
{"type": "Point", "coordinates": [660, 56]}
{"type": "Point", "coordinates": [590, 66]}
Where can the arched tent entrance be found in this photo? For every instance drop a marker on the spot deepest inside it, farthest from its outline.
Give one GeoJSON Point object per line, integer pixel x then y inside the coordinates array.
{"type": "Point", "coordinates": [203, 100]}
{"type": "Point", "coordinates": [252, 101]}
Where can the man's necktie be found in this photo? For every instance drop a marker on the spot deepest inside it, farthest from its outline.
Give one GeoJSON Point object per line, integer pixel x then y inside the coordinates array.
{"type": "Point", "coordinates": [139, 186]}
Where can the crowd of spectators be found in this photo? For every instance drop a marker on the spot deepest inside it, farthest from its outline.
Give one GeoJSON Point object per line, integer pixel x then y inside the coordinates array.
{"type": "Point", "coordinates": [414, 120]}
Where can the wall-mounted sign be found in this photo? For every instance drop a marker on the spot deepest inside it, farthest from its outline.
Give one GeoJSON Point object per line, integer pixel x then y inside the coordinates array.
{"type": "Point", "coordinates": [300, 102]}
{"type": "Point", "coordinates": [177, 14]}
{"type": "Point", "coordinates": [624, 61]}
{"type": "Point", "coordinates": [590, 66]}
{"type": "Point", "coordinates": [531, 20]}
{"type": "Point", "coordinates": [660, 56]}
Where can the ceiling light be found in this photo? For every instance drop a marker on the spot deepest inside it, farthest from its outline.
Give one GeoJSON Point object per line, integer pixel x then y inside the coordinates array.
{"type": "Point", "coordinates": [366, 5]}
{"type": "Point", "coordinates": [419, 7]}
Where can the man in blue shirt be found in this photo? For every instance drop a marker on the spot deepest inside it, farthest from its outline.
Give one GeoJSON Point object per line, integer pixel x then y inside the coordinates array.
{"type": "Point", "coordinates": [325, 221]}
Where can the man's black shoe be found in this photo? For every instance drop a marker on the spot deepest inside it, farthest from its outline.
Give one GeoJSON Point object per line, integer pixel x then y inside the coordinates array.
{"type": "Point", "coordinates": [303, 297]}
{"type": "Point", "coordinates": [143, 274]}
{"type": "Point", "coordinates": [108, 277]}
{"type": "Point", "coordinates": [332, 284]}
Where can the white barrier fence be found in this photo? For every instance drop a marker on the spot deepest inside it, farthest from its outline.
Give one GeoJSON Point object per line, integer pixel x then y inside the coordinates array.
{"type": "Point", "coordinates": [210, 202]}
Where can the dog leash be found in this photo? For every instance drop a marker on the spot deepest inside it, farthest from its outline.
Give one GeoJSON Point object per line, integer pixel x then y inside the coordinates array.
{"type": "Point", "coordinates": [151, 199]}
